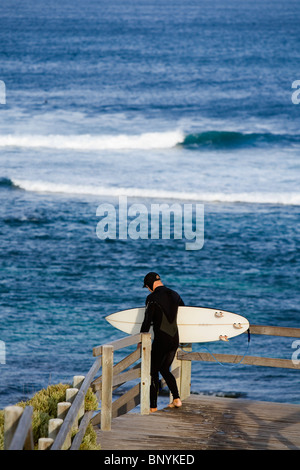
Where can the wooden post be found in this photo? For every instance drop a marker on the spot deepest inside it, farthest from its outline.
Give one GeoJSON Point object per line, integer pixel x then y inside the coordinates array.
{"type": "Point", "coordinates": [78, 381]}
{"type": "Point", "coordinates": [71, 394]}
{"type": "Point", "coordinates": [53, 427]}
{"type": "Point", "coordinates": [145, 374]}
{"type": "Point", "coordinates": [186, 374]}
{"type": "Point", "coordinates": [107, 380]}
{"type": "Point", "coordinates": [62, 410]}
{"type": "Point", "coordinates": [44, 443]}
{"type": "Point", "coordinates": [12, 415]}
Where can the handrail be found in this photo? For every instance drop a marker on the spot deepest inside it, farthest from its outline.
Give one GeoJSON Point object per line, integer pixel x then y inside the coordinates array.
{"type": "Point", "coordinates": [249, 360]}
{"type": "Point", "coordinates": [104, 358]}
{"type": "Point", "coordinates": [81, 431]}
{"type": "Point", "coordinates": [119, 343]}
{"type": "Point", "coordinates": [275, 331]}
{"type": "Point", "coordinates": [18, 421]}
{"type": "Point", "coordinates": [237, 359]}
{"type": "Point", "coordinates": [75, 407]}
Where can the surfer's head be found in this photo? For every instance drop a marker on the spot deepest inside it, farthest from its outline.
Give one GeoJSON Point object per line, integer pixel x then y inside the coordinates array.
{"type": "Point", "coordinates": [152, 280]}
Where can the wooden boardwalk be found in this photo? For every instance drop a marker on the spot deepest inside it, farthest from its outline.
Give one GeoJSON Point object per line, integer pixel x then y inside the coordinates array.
{"type": "Point", "coordinates": [207, 423]}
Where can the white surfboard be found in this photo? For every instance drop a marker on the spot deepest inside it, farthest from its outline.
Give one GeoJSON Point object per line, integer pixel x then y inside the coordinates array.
{"type": "Point", "coordinates": [195, 324]}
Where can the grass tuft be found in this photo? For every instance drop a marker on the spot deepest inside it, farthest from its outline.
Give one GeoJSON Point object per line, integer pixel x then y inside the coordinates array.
{"type": "Point", "coordinates": [44, 405]}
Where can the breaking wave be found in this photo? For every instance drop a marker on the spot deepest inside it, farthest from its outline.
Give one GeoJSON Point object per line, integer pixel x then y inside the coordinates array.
{"type": "Point", "coordinates": [149, 140]}
{"type": "Point", "coordinates": [252, 198]}
{"type": "Point", "coordinates": [231, 140]}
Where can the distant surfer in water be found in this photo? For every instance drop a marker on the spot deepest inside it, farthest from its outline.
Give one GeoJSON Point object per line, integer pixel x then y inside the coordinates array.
{"type": "Point", "coordinates": [161, 312]}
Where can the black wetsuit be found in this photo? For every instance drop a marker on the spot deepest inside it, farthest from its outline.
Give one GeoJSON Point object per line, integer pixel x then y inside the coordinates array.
{"type": "Point", "coordinates": [161, 312]}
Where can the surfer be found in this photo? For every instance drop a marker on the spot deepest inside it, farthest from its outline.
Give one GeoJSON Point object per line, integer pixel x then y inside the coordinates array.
{"type": "Point", "coordinates": [161, 312]}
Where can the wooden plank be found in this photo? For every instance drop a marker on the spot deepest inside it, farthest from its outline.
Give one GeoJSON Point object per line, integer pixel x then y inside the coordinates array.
{"type": "Point", "coordinates": [275, 331]}
{"type": "Point", "coordinates": [208, 423]}
{"type": "Point", "coordinates": [96, 420]}
{"type": "Point", "coordinates": [97, 351]}
{"type": "Point", "coordinates": [127, 401]}
{"type": "Point", "coordinates": [124, 377]}
{"type": "Point", "coordinates": [23, 433]}
{"type": "Point", "coordinates": [127, 361]}
{"type": "Point", "coordinates": [81, 431]}
{"type": "Point", "coordinates": [119, 367]}
{"type": "Point", "coordinates": [98, 388]}
{"type": "Point", "coordinates": [75, 407]}
{"type": "Point", "coordinates": [119, 344]}
{"type": "Point", "coordinates": [234, 359]}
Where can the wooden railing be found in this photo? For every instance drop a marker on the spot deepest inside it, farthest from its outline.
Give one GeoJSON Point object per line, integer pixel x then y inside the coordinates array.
{"type": "Point", "coordinates": [17, 420]}
{"type": "Point", "coordinates": [113, 376]}
{"type": "Point", "coordinates": [249, 360]}
{"type": "Point", "coordinates": [18, 427]}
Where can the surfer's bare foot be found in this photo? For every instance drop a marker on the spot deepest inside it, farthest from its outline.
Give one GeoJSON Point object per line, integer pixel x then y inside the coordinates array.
{"type": "Point", "coordinates": [175, 403]}
{"type": "Point", "coordinates": [152, 410]}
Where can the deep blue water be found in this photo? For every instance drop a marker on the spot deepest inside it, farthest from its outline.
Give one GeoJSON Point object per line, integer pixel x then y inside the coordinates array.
{"type": "Point", "coordinates": [163, 102]}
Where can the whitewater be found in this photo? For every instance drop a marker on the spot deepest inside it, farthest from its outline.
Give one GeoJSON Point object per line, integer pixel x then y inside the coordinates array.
{"type": "Point", "coordinates": [142, 193]}
{"type": "Point", "coordinates": [180, 165]}
{"type": "Point", "coordinates": [149, 140]}
{"type": "Point", "coordinates": [146, 141]}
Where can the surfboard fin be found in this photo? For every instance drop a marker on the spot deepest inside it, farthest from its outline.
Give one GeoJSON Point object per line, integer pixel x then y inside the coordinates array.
{"type": "Point", "coordinates": [223, 338]}
{"type": "Point", "coordinates": [238, 326]}
{"type": "Point", "coordinates": [219, 314]}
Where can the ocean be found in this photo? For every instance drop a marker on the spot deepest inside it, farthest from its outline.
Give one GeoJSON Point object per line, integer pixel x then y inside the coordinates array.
{"type": "Point", "coordinates": [154, 102]}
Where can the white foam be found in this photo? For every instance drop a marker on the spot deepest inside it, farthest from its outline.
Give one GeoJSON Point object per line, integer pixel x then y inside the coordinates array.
{"type": "Point", "coordinates": [148, 140]}
{"type": "Point", "coordinates": [256, 198]}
